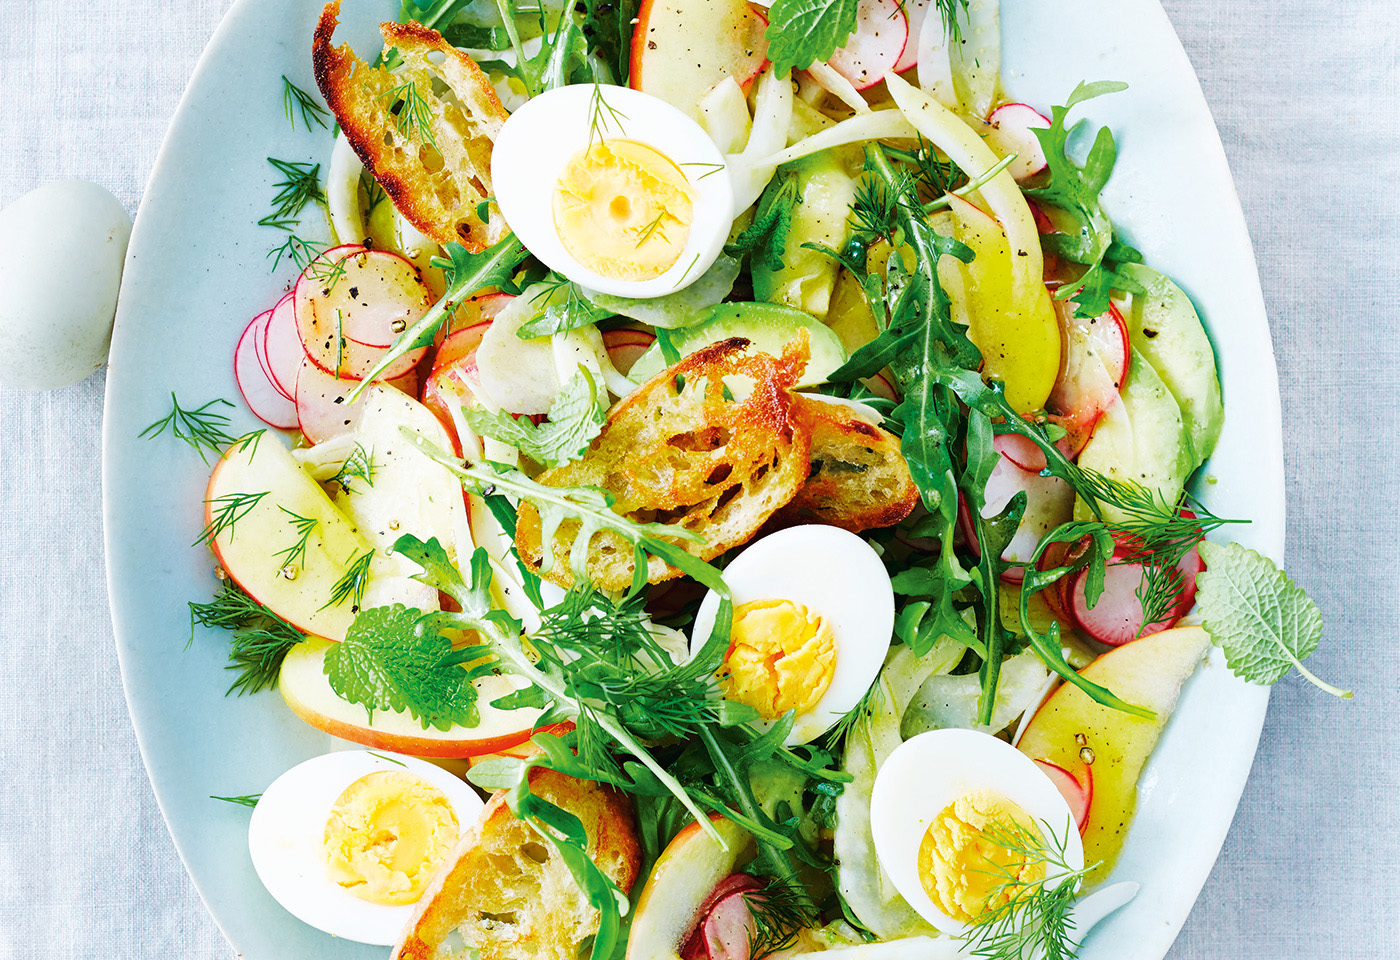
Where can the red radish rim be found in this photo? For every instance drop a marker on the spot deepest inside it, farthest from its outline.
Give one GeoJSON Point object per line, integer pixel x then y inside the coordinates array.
{"type": "Point", "coordinates": [275, 409]}
{"type": "Point", "coordinates": [873, 77]}
{"type": "Point", "coordinates": [287, 308]}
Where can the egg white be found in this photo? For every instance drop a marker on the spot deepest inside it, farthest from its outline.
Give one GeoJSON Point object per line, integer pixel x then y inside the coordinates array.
{"type": "Point", "coordinates": [838, 576]}
{"type": "Point", "coordinates": [286, 840]}
{"type": "Point", "coordinates": [540, 138]}
{"type": "Point", "coordinates": [928, 772]}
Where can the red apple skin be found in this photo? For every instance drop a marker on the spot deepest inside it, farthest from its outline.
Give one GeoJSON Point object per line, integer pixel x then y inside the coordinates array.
{"type": "Point", "coordinates": [308, 694]}
{"type": "Point", "coordinates": [682, 48]}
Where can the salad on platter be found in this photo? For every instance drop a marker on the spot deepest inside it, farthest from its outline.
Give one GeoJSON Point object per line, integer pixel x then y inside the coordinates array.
{"type": "Point", "coordinates": [726, 482]}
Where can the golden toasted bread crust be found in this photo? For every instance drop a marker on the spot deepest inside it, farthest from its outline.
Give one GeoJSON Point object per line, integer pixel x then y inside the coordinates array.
{"type": "Point", "coordinates": [689, 456]}
{"type": "Point", "coordinates": [510, 894]}
{"type": "Point", "coordinates": [859, 479]}
{"type": "Point", "coordinates": [435, 168]}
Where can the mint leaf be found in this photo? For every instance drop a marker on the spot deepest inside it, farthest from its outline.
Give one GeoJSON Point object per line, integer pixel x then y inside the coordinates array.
{"type": "Point", "coordinates": [1264, 622]}
{"type": "Point", "coordinates": [575, 419]}
{"type": "Point", "coordinates": [395, 658]}
{"type": "Point", "coordinates": [802, 32]}
{"type": "Point", "coordinates": [765, 240]}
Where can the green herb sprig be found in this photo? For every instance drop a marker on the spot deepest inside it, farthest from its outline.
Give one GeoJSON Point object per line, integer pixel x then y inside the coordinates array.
{"type": "Point", "coordinates": [296, 101]}
{"type": "Point", "coordinates": [260, 638]}
{"type": "Point", "coordinates": [204, 428]}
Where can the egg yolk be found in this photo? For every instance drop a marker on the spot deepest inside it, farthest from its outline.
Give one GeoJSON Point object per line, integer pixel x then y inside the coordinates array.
{"type": "Point", "coordinates": [623, 210]}
{"type": "Point", "coordinates": [781, 657]}
{"type": "Point", "coordinates": [387, 835]}
{"type": "Point", "coordinates": [963, 859]}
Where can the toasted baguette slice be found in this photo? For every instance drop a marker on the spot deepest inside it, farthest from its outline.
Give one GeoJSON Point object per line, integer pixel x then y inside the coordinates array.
{"type": "Point", "coordinates": [509, 894]}
{"type": "Point", "coordinates": [691, 458]}
{"type": "Point", "coordinates": [432, 155]}
{"type": "Point", "coordinates": [859, 478]}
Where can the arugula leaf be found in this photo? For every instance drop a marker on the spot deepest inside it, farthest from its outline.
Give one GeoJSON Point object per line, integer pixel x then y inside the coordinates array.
{"type": "Point", "coordinates": [765, 240]}
{"type": "Point", "coordinates": [570, 313]}
{"type": "Point", "coordinates": [1263, 621]}
{"type": "Point", "coordinates": [1075, 190]}
{"type": "Point", "coordinates": [396, 658]}
{"type": "Point", "coordinates": [607, 26]}
{"type": "Point", "coordinates": [466, 273]}
{"type": "Point", "coordinates": [575, 418]}
{"type": "Point", "coordinates": [562, 58]}
{"type": "Point", "coordinates": [802, 32]}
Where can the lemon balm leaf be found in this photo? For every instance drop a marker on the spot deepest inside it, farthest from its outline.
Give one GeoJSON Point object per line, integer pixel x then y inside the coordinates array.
{"type": "Point", "coordinates": [801, 32]}
{"type": "Point", "coordinates": [575, 418]}
{"type": "Point", "coordinates": [1263, 621]}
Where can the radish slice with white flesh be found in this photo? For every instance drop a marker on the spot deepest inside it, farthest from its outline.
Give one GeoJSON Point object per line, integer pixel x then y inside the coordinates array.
{"type": "Point", "coordinates": [1116, 618]}
{"type": "Point", "coordinates": [260, 349]}
{"type": "Point", "coordinates": [1076, 794]}
{"type": "Point", "coordinates": [625, 347]}
{"type": "Point", "coordinates": [1096, 364]}
{"type": "Point", "coordinates": [1049, 503]}
{"type": "Point", "coordinates": [882, 33]}
{"type": "Point", "coordinates": [263, 398]}
{"type": "Point", "coordinates": [350, 290]}
{"type": "Point", "coordinates": [323, 410]}
{"type": "Point", "coordinates": [1021, 451]}
{"type": "Point", "coordinates": [729, 929]}
{"type": "Point", "coordinates": [694, 945]}
{"type": "Point", "coordinates": [1011, 129]}
{"type": "Point", "coordinates": [444, 390]}
{"type": "Point", "coordinates": [917, 12]}
{"type": "Point", "coordinates": [282, 348]}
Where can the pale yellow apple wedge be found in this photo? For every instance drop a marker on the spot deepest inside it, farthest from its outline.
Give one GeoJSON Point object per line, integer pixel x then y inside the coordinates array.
{"type": "Point", "coordinates": [1072, 731]}
{"type": "Point", "coordinates": [269, 500]}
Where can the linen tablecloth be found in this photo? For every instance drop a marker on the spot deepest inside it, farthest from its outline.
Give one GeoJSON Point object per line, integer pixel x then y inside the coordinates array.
{"type": "Point", "coordinates": [1307, 96]}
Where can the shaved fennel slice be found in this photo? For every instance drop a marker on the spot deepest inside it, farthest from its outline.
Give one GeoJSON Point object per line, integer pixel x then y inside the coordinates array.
{"type": "Point", "coordinates": [876, 125]}
{"type": "Point", "coordinates": [977, 60]}
{"type": "Point", "coordinates": [343, 193]}
{"type": "Point", "coordinates": [749, 170]}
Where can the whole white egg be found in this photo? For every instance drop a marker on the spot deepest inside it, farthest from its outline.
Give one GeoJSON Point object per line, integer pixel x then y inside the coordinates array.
{"type": "Point", "coordinates": [61, 253]}
{"type": "Point", "coordinates": [538, 142]}
{"type": "Point", "coordinates": [835, 575]}
{"type": "Point", "coordinates": [927, 773]}
{"type": "Point", "coordinates": [286, 839]}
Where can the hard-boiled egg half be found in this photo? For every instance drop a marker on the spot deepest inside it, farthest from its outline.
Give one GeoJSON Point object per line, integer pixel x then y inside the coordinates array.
{"type": "Point", "coordinates": [956, 814]}
{"type": "Point", "coordinates": [813, 615]}
{"type": "Point", "coordinates": [613, 188]}
{"type": "Point", "coordinates": [348, 841]}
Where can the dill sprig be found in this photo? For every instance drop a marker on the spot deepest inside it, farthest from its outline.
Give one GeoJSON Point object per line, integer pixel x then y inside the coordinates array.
{"type": "Point", "coordinates": [413, 117]}
{"type": "Point", "coordinates": [326, 271]}
{"type": "Point", "coordinates": [935, 174]}
{"type": "Point", "coordinates": [300, 252]}
{"type": "Point", "coordinates": [260, 639]}
{"type": "Point", "coordinates": [602, 115]}
{"type": "Point", "coordinates": [301, 184]}
{"type": "Point", "coordinates": [248, 800]}
{"type": "Point", "coordinates": [352, 585]}
{"type": "Point", "coordinates": [295, 101]}
{"type": "Point", "coordinates": [1028, 919]}
{"type": "Point", "coordinates": [303, 526]}
{"type": "Point", "coordinates": [201, 428]}
{"type": "Point", "coordinates": [374, 193]}
{"type": "Point", "coordinates": [779, 910]}
{"type": "Point", "coordinates": [227, 511]}
{"type": "Point", "coordinates": [645, 233]}
{"type": "Point", "coordinates": [359, 465]}
{"type": "Point", "coordinates": [848, 722]}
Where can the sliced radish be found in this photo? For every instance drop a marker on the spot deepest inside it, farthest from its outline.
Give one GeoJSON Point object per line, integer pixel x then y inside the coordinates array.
{"type": "Point", "coordinates": [1049, 502]}
{"type": "Point", "coordinates": [626, 346]}
{"type": "Point", "coordinates": [735, 885]}
{"type": "Point", "coordinates": [351, 303]}
{"type": "Point", "coordinates": [1021, 451]}
{"type": "Point", "coordinates": [282, 348]}
{"type": "Point", "coordinates": [917, 12]}
{"type": "Point", "coordinates": [729, 928]}
{"type": "Point", "coordinates": [323, 410]}
{"type": "Point", "coordinates": [455, 358]}
{"type": "Point", "coordinates": [480, 309]}
{"type": "Point", "coordinates": [1096, 358]}
{"type": "Point", "coordinates": [882, 33]}
{"type": "Point", "coordinates": [1116, 618]}
{"type": "Point", "coordinates": [1042, 222]}
{"type": "Point", "coordinates": [1011, 130]}
{"type": "Point", "coordinates": [262, 396]}
{"type": "Point", "coordinates": [880, 385]}
{"type": "Point", "coordinates": [1078, 795]}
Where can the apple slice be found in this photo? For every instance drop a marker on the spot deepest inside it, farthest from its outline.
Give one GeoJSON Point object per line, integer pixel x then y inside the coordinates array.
{"type": "Point", "coordinates": [1070, 729]}
{"type": "Point", "coordinates": [688, 870]}
{"type": "Point", "coordinates": [308, 693]}
{"type": "Point", "coordinates": [264, 490]}
{"type": "Point", "coordinates": [1095, 367]}
{"type": "Point", "coordinates": [682, 48]}
{"type": "Point", "coordinates": [1011, 130]}
{"type": "Point", "coordinates": [259, 392]}
{"type": "Point", "coordinates": [1079, 795]}
{"type": "Point", "coordinates": [876, 47]}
